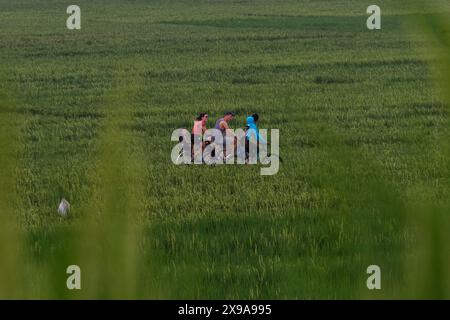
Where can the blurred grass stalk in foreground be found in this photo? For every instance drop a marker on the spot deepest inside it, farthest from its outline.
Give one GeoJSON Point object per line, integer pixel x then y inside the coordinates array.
{"type": "Point", "coordinates": [10, 240]}
{"type": "Point", "coordinates": [429, 265]}
{"type": "Point", "coordinates": [108, 232]}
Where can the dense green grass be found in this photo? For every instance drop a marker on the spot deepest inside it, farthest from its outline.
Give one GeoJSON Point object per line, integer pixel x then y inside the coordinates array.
{"type": "Point", "coordinates": [362, 127]}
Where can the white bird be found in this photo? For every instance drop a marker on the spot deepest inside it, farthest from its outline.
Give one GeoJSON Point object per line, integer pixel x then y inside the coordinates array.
{"type": "Point", "coordinates": [64, 208]}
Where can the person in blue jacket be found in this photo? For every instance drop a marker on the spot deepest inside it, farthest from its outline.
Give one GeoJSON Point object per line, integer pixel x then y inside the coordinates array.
{"type": "Point", "coordinates": [253, 129]}
{"type": "Point", "coordinates": [252, 135]}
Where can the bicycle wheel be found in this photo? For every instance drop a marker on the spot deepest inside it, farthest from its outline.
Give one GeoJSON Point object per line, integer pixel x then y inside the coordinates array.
{"type": "Point", "coordinates": [180, 159]}
{"type": "Point", "coordinates": [269, 158]}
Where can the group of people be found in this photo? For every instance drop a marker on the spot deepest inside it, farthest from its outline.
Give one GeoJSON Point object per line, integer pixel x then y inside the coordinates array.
{"type": "Point", "coordinates": [222, 124]}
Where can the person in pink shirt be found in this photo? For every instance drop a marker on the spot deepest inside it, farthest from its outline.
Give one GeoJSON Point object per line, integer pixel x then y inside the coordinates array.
{"type": "Point", "coordinates": [199, 128]}
{"type": "Point", "coordinates": [200, 124]}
